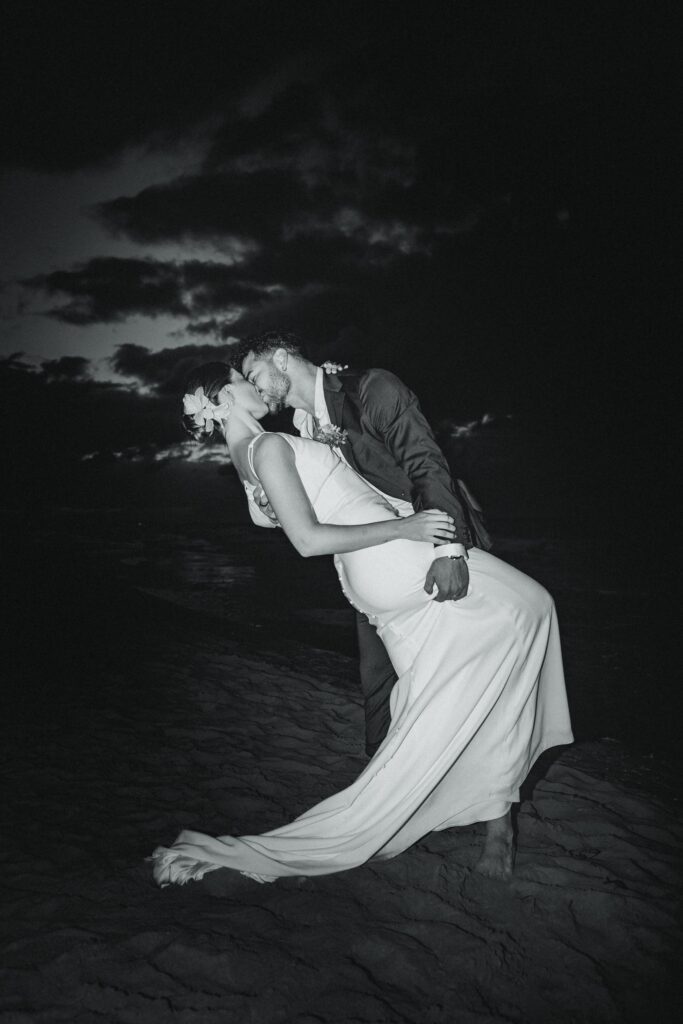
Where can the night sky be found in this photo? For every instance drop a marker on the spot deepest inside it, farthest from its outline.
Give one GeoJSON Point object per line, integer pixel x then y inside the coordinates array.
{"type": "Point", "coordinates": [475, 195]}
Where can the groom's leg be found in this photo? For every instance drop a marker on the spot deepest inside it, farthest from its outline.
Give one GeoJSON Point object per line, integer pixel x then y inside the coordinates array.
{"type": "Point", "coordinates": [377, 678]}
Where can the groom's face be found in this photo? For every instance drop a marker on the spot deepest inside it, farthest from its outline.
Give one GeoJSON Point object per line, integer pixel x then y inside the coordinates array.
{"type": "Point", "coordinates": [272, 384]}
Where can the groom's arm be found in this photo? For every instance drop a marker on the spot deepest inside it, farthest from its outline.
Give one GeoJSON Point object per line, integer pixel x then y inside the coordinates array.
{"type": "Point", "coordinates": [394, 411]}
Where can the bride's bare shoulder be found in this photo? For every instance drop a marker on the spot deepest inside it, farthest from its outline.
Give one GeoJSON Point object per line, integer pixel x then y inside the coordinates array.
{"type": "Point", "coordinates": [271, 447]}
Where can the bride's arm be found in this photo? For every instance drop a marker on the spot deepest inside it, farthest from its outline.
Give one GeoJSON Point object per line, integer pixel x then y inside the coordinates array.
{"type": "Point", "coordinates": [276, 468]}
{"type": "Point", "coordinates": [260, 511]}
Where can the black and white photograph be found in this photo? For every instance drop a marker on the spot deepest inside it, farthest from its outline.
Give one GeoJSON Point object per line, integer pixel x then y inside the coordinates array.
{"type": "Point", "coordinates": [340, 645]}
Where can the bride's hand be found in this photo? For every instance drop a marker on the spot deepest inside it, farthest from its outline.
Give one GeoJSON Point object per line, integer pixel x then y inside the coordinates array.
{"type": "Point", "coordinates": [431, 526]}
{"type": "Point", "coordinates": [261, 499]}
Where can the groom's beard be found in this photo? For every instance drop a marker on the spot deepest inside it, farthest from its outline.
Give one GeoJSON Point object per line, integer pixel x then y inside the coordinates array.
{"type": "Point", "coordinates": [279, 387]}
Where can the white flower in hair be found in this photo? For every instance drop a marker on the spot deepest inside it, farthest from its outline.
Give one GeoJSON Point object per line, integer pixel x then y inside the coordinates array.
{"type": "Point", "coordinates": [203, 411]}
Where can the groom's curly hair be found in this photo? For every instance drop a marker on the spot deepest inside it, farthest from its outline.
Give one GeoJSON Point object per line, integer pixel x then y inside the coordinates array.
{"type": "Point", "coordinates": [267, 342]}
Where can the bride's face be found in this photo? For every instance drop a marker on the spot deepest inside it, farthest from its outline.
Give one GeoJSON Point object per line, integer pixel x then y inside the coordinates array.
{"type": "Point", "coordinates": [244, 394]}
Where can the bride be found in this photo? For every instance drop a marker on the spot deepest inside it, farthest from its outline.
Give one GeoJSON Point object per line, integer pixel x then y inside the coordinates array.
{"type": "Point", "coordinates": [480, 691]}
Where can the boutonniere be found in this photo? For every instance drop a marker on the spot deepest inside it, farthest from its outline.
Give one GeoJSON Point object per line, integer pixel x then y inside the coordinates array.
{"type": "Point", "coordinates": [335, 437]}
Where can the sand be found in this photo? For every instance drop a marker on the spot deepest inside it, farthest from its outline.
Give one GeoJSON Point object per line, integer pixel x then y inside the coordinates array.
{"type": "Point", "coordinates": [127, 717]}
{"type": "Point", "coordinates": [140, 719]}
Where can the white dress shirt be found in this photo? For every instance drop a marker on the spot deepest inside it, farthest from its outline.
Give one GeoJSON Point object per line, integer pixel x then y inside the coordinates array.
{"type": "Point", "coordinates": [304, 422]}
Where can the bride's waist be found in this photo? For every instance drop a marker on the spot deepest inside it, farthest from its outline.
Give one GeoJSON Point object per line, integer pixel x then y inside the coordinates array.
{"type": "Point", "coordinates": [357, 512]}
{"type": "Point", "coordinates": [404, 555]}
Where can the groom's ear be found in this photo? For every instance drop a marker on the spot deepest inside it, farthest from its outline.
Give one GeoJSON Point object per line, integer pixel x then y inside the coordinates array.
{"type": "Point", "coordinates": [280, 358]}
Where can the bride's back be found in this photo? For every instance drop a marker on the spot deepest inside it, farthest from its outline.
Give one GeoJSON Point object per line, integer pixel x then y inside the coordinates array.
{"type": "Point", "coordinates": [337, 493]}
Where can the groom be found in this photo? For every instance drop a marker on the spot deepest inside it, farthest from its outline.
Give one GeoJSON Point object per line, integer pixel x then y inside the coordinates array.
{"type": "Point", "coordinates": [389, 442]}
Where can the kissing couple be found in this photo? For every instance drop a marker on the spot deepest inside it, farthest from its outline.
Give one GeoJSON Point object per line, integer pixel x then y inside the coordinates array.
{"type": "Point", "coordinates": [460, 659]}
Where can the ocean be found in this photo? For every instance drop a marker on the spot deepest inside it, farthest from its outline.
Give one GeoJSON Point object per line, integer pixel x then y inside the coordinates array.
{"type": "Point", "coordinates": [179, 538]}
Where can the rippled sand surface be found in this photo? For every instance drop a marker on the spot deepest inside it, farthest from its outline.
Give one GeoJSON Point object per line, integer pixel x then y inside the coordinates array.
{"type": "Point", "coordinates": [133, 713]}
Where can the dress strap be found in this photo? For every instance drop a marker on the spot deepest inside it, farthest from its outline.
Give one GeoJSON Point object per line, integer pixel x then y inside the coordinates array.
{"type": "Point", "coordinates": [250, 448]}
{"type": "Point", "coordinates": [250, 453]}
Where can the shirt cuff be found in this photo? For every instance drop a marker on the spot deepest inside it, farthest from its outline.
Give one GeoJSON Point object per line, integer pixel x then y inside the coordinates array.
{"type": "Point", "coordinates": [450, 551]}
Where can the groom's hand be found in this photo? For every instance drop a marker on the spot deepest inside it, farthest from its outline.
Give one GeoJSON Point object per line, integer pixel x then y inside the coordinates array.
{"type": "Point", "coordinates": [451, 576]}
{"type": "Point", "coordinates": [261, 499]}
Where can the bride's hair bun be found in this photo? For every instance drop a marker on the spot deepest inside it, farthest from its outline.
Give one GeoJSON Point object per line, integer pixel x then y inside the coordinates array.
{"type": "Point", "coordinates": [211, 377]}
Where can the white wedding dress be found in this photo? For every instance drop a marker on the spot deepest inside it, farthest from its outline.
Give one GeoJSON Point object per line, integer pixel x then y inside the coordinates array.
{"type": "Point", "coordinates": [480, 694]}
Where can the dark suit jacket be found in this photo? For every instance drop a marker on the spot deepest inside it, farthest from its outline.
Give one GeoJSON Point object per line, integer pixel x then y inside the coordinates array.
{"type": "Point", "coordinates": [391, 444]}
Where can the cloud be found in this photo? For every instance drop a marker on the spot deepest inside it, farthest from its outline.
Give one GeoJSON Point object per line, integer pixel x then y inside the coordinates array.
{"type": "Point", "coordinates": [66, 368]}
{"type": "Point", "coordinates": [216, 297]}
{"type": "Point", "coordinates": [109, 289]}
{"type": "Point", "coordinates": [192, 451]}
{"type": "Point", "coordinates": [254, 210]}
{"type": "Point", "coordinates": [76, 90]}
{"type": "Point", "coordinates": [183, 451]}
{"type": "Point", "coordinates": [220, 329]}
{"type": "Point", "coordinates": [81, 414]}
{"type": "Point", "coordinates": [311, 131]}
{"type": "Point", "coordinates": [165, 370]}
{"type": "Point", "coordinates": [331, 207]}
{"type": "Point", "coordinates": [458, 431]}
{"type": "Point", "coordinates": [247, 206]}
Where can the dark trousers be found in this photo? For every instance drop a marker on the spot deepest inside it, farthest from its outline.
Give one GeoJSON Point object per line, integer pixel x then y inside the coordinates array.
{"type": "Point", "coordinates": [377, 678]}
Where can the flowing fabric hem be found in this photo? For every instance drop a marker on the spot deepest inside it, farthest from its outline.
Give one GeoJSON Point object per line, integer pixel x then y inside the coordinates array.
{"type": "Point", "coordinates": [475, 814]}
{"type": "Point", "coordinates": [175, 867]}
{"type": "Point", "coordinates": [171, 867]}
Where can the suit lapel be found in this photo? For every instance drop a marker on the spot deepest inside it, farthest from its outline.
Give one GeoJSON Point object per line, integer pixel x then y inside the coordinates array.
{"type": "Point", "coordinates": [335, 399]}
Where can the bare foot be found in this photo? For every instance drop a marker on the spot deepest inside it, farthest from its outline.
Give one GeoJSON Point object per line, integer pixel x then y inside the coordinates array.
{"type": "Point", "coordinates": [497, 855]}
